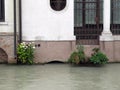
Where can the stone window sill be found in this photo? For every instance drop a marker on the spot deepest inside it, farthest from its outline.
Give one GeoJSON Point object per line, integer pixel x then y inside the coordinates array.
{"type": "Point", "coordinates": [3, 23]}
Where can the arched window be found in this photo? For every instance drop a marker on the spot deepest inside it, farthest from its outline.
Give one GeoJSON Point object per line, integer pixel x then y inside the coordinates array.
{"type": "Point", "coordinates": [58, 5]}
{"type": "Point", "coordinates": [2, 11]}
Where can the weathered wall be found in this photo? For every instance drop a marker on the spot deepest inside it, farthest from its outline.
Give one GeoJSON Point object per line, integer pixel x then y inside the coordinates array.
{"type": "Point", "coordinates": [3, 56]}
{"type": "Point", "coordinates": [53, 51]}
{"type": "Point", "coordinates": [7, 44]}
{"type": "Point", "coordinates": [61, 50]}
{"type": "Point", "coordinates": [6, 34]}
{"type": "Point", "coordinates": [112, 50]}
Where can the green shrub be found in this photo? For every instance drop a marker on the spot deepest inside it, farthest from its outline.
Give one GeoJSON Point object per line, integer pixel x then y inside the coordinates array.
{"type": "Point", "coordinates": [25, 53]}
{"type": "Point", "coordinates": [95, 50]}
{"type": "Point", "coordinates": [78, 56]}
{"type": "Point", "coordinates": [98, 57]}
{"type": "Point", "coordinates": [81, 53]}
{"type": "Point", "coordinates": [74, 58]}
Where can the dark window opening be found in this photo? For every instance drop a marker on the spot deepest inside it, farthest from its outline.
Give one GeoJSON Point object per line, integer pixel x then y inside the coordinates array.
{"type": "Point", "coordinates": [115, 17]}
{"type": "Point", "coordinates": [2, 15]}
{"type": "Point", "coordinates": [58, 5]}
{"type": "Point", "coordinates": [88, 20]}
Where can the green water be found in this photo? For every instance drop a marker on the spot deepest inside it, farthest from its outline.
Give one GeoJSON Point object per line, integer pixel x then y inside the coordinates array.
{"type": "Point", "coordinates": [59, 77]}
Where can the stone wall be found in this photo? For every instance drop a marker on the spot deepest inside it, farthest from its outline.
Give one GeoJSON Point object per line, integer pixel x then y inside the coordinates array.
{"type": "Point", "coordinates": [47, 51]}
{"type": "Point", "coordinates": [7, 47]}
{"type": "Point", "coordinates": [61, 50]}
{"type": "Point", "coordinates": [112, 50]}
{"type": "Point", "coordinates": [3, 56]}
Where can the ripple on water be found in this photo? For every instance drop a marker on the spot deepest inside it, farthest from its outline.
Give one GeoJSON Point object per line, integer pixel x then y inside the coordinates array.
{"type": "Point", "coordinates": [59, 77]}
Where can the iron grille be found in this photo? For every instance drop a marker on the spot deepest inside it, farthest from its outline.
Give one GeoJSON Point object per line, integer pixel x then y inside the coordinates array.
{"type": "Point", "coordinates": [88, 22]}
{"type": "Point", "coordinates": [115, 17]}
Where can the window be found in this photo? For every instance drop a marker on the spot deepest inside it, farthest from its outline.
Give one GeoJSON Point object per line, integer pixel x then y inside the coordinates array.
{"type": "Point", "coordinates": [88, 20]}
{"type": "Point", "coordinates": [2, 18]}
{"type": "Point", "coordinates": [58, 5]}
{"type": "Point", "coordinates": [115, 17]}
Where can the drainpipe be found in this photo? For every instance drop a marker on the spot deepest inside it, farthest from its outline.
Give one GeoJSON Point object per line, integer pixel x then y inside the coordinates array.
{"type": "Point", "coordinates": [20, 21]}
{"type": "Point", "coordinates": [15, 31]}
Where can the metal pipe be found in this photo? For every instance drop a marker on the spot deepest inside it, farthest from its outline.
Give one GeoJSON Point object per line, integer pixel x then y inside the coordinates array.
{"type": "Point", "coordinates": [20, 21]}
{"type": "Point", "coordinates": [15, 31]}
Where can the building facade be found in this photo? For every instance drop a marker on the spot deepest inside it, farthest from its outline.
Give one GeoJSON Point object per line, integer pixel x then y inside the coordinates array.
{"type": "Point", "coordinates": [58, 26]}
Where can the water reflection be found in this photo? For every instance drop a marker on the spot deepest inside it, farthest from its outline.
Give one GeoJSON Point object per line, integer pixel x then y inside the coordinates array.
{"type": "Point", "coordinates": [59, 77]}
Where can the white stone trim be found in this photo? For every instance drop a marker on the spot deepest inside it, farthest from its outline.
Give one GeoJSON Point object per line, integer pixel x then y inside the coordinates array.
{"type": "Point", "coordinates": [106, 37]}
{"type": "Point", "coordinates": [6, 33]}
{"type": "Point", "coordinates": [116, 37]}
{"type": "Point", "coordinates": [3, 23]}
{"type": "Point", "coordinates": [110, 38]}
{"type": "Point", "coordinates": [106, 17]}
{"type": "Point", "coordinates": [106, 34]}
{"type": "Point", "coordinates": [42, 38]}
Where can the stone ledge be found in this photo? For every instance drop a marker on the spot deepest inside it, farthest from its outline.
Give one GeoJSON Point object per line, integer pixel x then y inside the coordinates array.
{"type": "Point", "coordinates": [6, 34]}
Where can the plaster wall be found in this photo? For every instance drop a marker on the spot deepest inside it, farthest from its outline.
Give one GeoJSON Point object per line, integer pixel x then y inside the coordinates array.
{"type": "Point", "coordinates": [41, 22]}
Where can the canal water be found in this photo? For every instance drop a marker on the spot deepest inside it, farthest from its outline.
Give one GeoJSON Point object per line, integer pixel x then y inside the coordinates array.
{"type": "Point", "coordinates": [59, 77]}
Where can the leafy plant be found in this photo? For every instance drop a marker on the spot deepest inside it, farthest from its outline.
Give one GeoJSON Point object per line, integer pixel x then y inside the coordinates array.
{"type": "Point", "coordinates": [95, 50]}
{"type": "Point", "coordinates": [98, 57]}
{"type": "Point", "coordinates": [25, 53]}
{"type": "Point", "coordinates": [81, 53]}
{"type": "Point", "coordinates": [77, 56]}
{"type": "Point", "coordinates": [74, 58]}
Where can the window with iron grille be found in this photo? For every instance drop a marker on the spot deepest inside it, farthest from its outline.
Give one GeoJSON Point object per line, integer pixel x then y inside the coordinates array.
{"type": "Point", "coordinates": [88, 20]}
{"type": "Point", "coordinates": [115, 17]}
{"type": "Point", "coordinates": [58, 5]}
{"type": "Point", "coordinates": [2, 15]}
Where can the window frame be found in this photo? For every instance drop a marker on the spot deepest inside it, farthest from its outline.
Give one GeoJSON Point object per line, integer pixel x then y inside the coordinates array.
{"type": "Point", "coordinates": [88, 29]}
{"type": "Point", "coordinates": [58, 5]}
{"type": "Point", "coordinates": [115, 25]}
{"type": "Point", "coordinates": [2, 11]}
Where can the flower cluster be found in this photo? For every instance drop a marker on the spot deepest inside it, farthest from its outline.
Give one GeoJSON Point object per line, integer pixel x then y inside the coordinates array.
{"type": "Point", "coordinates": [25, 53]}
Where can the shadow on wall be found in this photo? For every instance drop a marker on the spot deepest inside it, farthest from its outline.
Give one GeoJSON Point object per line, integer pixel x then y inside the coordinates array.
{"type": "Point", "coordinates": [3, 56]}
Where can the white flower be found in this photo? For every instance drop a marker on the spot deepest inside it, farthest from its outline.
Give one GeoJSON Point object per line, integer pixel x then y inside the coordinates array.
{"type": "Point", "coordinates": [23, 46]}
{"type": "Point", "coordinates": [23, 43]}
{"type": "Point", "coordinates": [26, 46]}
